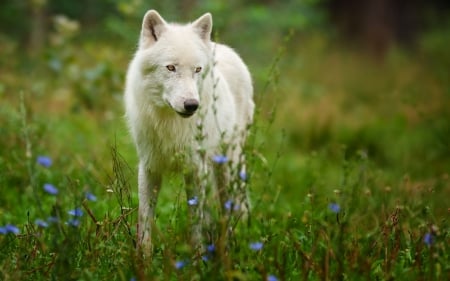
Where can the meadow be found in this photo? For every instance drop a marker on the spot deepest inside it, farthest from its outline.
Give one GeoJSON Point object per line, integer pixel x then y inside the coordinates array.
{"type": "Point", "coordinates": [348, 168]}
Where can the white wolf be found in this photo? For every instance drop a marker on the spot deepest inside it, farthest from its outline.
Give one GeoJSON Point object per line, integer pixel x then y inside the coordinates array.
{"type": "Point", "coordinates": [187, 100]}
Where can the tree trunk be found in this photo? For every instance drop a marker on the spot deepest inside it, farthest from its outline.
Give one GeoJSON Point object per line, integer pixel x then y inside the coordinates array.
{"type": "Point", "coordinates": [38, 29]}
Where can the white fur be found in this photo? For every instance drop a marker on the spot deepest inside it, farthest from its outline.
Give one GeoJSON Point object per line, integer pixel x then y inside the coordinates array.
{"type": "Point", "coordinates": [155, 98]}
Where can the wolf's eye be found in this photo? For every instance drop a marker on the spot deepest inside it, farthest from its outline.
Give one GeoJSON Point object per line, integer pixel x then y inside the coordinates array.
{"type": "Point", "coordinates": [171, 68]}
{"type": "Point", "coordinates": [198, 69]}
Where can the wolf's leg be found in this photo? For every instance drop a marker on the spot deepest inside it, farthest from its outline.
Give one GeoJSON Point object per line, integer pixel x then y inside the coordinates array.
{"type": "Point", "coordinates": [149, 186]}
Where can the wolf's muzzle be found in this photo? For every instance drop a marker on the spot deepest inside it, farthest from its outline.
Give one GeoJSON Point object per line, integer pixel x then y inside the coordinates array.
{"type": "Point", "coordinates": [190, 106]}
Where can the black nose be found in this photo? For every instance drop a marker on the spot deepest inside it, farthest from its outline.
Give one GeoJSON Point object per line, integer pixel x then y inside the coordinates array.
{"type": "Point", "coordinates": [190, 105]}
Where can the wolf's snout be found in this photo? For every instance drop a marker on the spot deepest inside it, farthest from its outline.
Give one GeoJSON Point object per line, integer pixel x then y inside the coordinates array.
{"type": "Point", "coordinates": [190, 105]}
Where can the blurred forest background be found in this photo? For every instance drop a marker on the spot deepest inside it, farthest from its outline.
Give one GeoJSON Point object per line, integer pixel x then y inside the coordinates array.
{"type": "Point", "coordinates": [367, 77]}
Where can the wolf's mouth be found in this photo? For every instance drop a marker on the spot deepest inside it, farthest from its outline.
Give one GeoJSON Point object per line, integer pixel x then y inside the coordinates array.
{"type": "Point", "coordinates": [185, 114]}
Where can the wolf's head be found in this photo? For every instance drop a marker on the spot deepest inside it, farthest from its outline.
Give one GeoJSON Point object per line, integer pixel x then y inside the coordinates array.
{"type": "Point", "coordinates": [172, 59]}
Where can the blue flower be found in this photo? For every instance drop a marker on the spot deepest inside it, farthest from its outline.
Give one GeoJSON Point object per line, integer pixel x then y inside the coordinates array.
{"type": "Point", "coordinates": [52, 219]}
{"type": "Point", "coordinates": [91, 197]}
{"type": "Point", "coordinates": [77, 212]}
{"type": "Point", "coordinates": [41, 223]}
{"type": "Point", "coordinates": [9, 228]}
{"type": "Point", "coordinates": [220, 159]}
{"type": "Point", "coordinates": [256, 246]}
{"type": "Point", "coordinates": [73, 222]}
{"type": "Point", "coordinates": [193, 201]}
{"type": "Point", "coordinates": [428, 239]}
{"type": "Point", "coordinates": [44, 161]}
{"type": "Point", "coordinates": [243, 175]}
{"type": "Point", "coordinates": [12, 229]}
{"type": "Point", "coordinates": [50, 189]}
{"type": "Point", "coordinates": [272, 278]}
{"type": "Point", "coordinates": [211, 248]}
{"type": "Point", "coordinates": [334, 207]}
{"type": "Point", "coordinates": [180, 264]}
{"type": "Point", "coordinates": [229, 204]}
{"type": "Point", "coordinates": [133, 278]}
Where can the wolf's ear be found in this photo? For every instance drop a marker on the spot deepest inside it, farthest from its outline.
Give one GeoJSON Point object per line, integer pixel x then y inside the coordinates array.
{"type": "Point", "coordinates": [153, 26]}
{"type": "Point", "coordinates": [203, 26]}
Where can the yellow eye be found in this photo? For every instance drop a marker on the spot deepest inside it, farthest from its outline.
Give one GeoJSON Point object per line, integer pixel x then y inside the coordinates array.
{"type": "Point", "coordinates": [171, 68]}
{"type": "Point", "coordinates": [198, 69]}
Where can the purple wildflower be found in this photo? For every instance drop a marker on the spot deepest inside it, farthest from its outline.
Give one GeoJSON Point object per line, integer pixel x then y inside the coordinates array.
{"type": "Point", "coordinates": [180, 264]}
{"type": "Point", "coordinates": [243, 175]}
{"type": "Point", "coordinates": [52, 219]}
{"type": "Point", "coordinates": [44, 161]}
{"type": "Point", "coordinates": [334, 207]}
{"type": "Point", "coordinates": [41, 223]}
{"type": "Point", "coordinates": [428, 239]}
{"type": "Point", "coordinates": [77, 212]}
{"type": "Point", "coordinates": [211, 248]}
{"type": "Point", "coordinates": [220, 159]}
{"type": "Point", "coordinates": [193, 201]}
{"type": "Point", "coordinates": [73, 222]}
{"type": "Point", "coordinates": [256, 246]}
{"type": "Point", "coordinates": [91, 197]}
{"type": "Point", "coordinates": [229, 204]}
{"type": "Point", "coordinates": [9, 228]}
{"type": "Point", "coordinates": [272, 278]}
{"type": "Point", "coordinates": [50, 189]}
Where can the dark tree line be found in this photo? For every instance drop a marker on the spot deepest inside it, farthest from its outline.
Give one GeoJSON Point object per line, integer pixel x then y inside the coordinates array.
{"type": "Point", "coordinates": [379, 23]}
{"type": "Point", "coordinates": [376, 24]}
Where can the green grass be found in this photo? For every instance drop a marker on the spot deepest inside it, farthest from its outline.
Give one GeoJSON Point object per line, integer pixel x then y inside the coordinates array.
{"type": "Point", "coordinates": [333, 127]}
